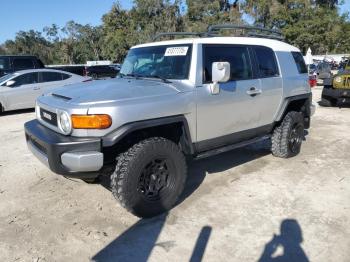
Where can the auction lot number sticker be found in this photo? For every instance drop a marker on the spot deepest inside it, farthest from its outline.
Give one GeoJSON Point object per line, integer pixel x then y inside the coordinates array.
{"type": "Point", "coordinates": [176, 51]}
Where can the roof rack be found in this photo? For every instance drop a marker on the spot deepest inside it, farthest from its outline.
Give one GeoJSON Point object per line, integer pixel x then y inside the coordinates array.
{"type": "Point", "coordinates": [177, 34]}
{"type": "Point", "coordinates": [250, 31]}
{"type": "Point", "coordinates": [245, 30]}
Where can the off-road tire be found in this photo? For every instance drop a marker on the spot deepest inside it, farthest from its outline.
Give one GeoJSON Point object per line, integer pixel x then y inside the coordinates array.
{"type": "Point", "coordinates": [281, 138]}
{"type": "Point", "coordinates": [129, 170]}
{"type": "Point", "coordinates": [326, 102]}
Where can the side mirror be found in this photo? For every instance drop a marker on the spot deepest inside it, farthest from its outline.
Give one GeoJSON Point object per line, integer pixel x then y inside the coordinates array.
{"type": "Point", "coordinates": [220, 72]}
{"type": "Point", "coordinates": [10, 83]}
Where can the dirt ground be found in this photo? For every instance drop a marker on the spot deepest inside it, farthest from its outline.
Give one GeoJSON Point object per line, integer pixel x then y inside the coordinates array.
{"type": "Point", "coordinates": [244, 205]}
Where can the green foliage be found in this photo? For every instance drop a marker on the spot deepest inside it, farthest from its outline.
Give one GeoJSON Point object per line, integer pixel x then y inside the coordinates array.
{"type": "Point", "coordinates": [304, 23]}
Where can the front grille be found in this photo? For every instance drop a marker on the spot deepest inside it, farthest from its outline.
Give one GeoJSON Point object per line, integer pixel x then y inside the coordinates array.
{"type": "Point", "coordinates": [48, 117]}
{"type": "Point", "coordinates": [346, 82]}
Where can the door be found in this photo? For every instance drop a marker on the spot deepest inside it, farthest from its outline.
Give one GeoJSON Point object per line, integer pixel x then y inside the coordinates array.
{"type": "Point", "coordinates": [229, 116]}
{"type": "Point", "coordinates": [23, 93]}
{"type": "Point", "coordinates": [268, 102]}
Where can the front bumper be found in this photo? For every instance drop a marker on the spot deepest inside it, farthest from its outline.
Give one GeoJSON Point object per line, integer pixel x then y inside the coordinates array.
{"type": "Point", "coordinates": [64, 155]}
{"type": "Point", "coordinates": [336, 93]}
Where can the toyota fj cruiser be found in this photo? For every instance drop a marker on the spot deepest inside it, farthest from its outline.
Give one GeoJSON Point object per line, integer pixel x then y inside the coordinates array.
{"type": "Point", "coordinates": [174, 100]}
{"type": "Point", "coordinates": [337, 90]}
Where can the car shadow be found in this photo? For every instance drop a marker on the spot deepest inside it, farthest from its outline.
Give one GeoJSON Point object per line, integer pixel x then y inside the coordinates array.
{"type": "Point", "coordinates": [286, 246]}
{"type": "Point", "coordinates": [138, 241]}
{"type": "Point", "coordinates": [17, 112]}
{"type": "Point", "coordinates": [198, 169]}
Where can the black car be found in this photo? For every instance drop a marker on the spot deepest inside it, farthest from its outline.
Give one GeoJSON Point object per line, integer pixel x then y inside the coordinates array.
{"type": "Point", "coordinates": [10, 64]}
{"type": "Point", "coordinates": [75, 69]}
{"type": "Point", "coordinates": [100, 71]}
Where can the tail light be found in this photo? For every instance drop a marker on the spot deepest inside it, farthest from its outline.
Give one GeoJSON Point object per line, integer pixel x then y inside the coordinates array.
{"type": "Point", "coordinates": [312, 81]}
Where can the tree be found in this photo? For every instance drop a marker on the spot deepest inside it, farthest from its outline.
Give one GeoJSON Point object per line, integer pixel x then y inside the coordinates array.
{"type": "Point", "coordinates": [203, 13]}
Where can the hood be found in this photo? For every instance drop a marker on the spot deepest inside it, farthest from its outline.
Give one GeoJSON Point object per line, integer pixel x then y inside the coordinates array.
{"type": "Point", "coordinates": [104, 91]}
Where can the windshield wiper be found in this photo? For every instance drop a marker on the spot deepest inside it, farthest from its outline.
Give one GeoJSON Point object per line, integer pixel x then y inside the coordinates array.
{"type": "Point", "coordinates": [158, 77]}
{"type": "Point", "coordinates": [130, 75]}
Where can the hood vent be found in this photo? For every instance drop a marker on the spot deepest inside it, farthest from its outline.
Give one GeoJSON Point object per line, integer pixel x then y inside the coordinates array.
{"type": "Point", "coordinates": [61, 97]}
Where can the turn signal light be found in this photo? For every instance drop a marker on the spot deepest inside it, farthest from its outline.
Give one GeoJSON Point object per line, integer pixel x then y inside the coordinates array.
{"type": "Point", "coordinates": [91, 121]}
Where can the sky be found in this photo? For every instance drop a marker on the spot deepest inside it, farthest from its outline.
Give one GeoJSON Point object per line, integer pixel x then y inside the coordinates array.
{"type": "Point", "coordinates": [24, 15]}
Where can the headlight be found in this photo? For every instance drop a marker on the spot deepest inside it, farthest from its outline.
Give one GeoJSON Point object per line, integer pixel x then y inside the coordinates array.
{"type": "Point", "coordinates": [337, 79]}
{"type": "Point", "coordinates": [64, 122]}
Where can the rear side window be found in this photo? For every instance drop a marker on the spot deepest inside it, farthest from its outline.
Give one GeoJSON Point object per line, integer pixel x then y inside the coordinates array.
{"type": "Point", "coordinates": [299, 61]}
{"type": "Point", "coordinates": [22, 63]}
{"type": "Point", "coordinates": [237, 56]}
{"type": "Point", "coordinates": [65, 76]}
{"type": "Point", "coordinates": [266, 61]}
{"type": "Point", "coordinates": [51, 76]}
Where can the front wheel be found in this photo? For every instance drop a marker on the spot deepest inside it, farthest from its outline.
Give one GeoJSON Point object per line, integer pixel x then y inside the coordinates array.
{"type": "Point", "coordinates": [149, 177]}
{"type": "Point", "coordinates": [288, 136]}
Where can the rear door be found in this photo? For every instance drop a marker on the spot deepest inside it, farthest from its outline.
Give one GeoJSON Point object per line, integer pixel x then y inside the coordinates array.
{"type": "Point", "coordinates": [49, 80]}
{"type": "Point", "coordinates": [23, 93]}
{"type": "Point", "coordinates": [268, 101]}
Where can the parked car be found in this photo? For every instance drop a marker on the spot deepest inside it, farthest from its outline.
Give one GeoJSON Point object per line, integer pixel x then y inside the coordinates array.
{"type": "Point", "coordinates": [10, 64]}
{"type": "Point", "coordinates": [101, 71]}
{"type": "Point", "coordinates": [19, 90]}
{"type": "Point", "coordinates": [323, 70]}
{"type": "Point", "coordinates": [75, 69]}
{"type": "Point", "coordinates": [336, 91]}
{"type": "Point", "coordinates": [174, 100]}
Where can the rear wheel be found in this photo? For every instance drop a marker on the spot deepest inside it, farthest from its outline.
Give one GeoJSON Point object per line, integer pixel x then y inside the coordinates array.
{"type": "Point", "coordinates": [288, 136]}
{"type": "Point", "coordinates": [149, 177]}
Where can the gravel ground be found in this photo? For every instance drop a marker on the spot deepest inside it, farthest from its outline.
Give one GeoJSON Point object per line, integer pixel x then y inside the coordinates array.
{"type": "Point", "coordinates": [236, 205]}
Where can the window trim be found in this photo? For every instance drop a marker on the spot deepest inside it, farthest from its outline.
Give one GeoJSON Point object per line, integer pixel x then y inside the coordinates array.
{"type": "Point", "coordinates": [227, 45]}
{"type": "Point", "coordinates": [259, 76]}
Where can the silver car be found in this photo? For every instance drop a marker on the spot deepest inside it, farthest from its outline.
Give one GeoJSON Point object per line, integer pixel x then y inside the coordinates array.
{"type": "Point", "coordinates": [19, 90]}
{"type": "Point", "coordinates": [173, 101]}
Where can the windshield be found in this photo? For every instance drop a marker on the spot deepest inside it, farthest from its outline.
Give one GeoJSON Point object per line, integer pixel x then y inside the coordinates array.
{"type": "Point", "coordinates": [167, 61]}
{"type": "Point", "coordinates": [4, 63]}
{"type": "Point", "coordinates": [6, 77]}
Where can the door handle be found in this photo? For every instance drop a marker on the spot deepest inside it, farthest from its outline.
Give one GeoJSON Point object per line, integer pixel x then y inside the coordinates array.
{"type": "Point", "coordinates": [254, 91]}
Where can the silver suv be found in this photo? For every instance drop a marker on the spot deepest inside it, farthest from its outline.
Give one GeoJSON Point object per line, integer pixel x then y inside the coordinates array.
{"type": "Point", "coordinates": [173, 100]}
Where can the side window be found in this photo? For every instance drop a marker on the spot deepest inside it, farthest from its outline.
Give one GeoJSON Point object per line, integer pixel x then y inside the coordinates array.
{"type": "Point", "coordinates": [299, 61]}
{"type": "Point", "coordinates": [266, 60]}
{"type": "Point", "coordinates": [22, 63]}
{"type": "Point", "coordinates": [51, 76]}
{"type": "Point", "coordinates": [237, 56]}
{"type": "Point", "coordinates": [26, 79]}
{"type": "Point", "coordinates": [65, 76]}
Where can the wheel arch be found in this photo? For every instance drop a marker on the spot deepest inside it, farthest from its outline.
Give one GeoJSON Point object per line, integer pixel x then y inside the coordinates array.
{"type": "Point", "coordinates": [299, 103]}
{"type": "Point", "coordinates": [174, 128]}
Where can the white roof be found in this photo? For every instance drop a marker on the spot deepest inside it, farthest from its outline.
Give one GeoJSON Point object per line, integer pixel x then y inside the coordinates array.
{"type": "Point", "coordinates": [20, 72]}
{"type": "Point", "coordinates": [271, 43]}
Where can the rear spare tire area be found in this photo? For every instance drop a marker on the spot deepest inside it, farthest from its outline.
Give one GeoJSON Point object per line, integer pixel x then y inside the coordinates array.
{"type": "Point", "coordinates": [287, 138]}
{"type": "Point", "coordinates": [149, 177]}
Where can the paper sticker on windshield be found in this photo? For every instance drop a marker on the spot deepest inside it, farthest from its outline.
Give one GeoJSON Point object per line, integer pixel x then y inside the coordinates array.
{"type": "Point", "coordinates": [176, 51]}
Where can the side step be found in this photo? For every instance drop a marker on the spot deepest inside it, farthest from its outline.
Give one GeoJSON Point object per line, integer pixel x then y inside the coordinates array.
{"type": "Point", "coordinates": [223, 149]}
